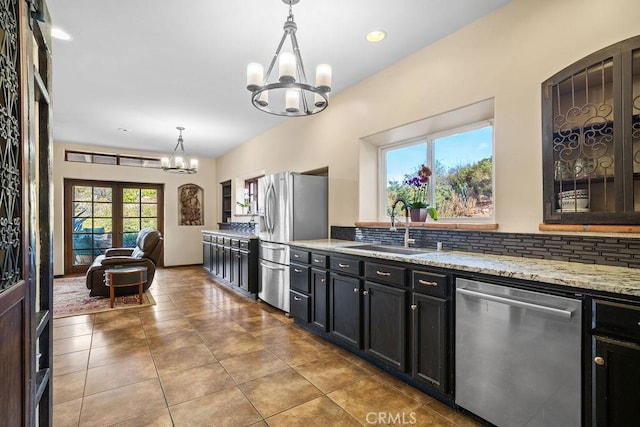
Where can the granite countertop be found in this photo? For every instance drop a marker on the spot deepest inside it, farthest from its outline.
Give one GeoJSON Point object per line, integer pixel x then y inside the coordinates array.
{"type": "Point", "coordinates": [232, 233]}
{"type": "Point", "coordinates": [617, 280]}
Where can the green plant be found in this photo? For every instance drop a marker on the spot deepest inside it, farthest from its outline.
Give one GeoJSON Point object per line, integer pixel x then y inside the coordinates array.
{"type": "Point", "coordinates": [419, 189]}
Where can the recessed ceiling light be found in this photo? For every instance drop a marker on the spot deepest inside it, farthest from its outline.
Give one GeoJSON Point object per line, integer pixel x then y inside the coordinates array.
{"type": "Point", "coordinates": [123, 130]}
{"type": "Point", "coordinates": [60, 34]}
{"type": "Point", "coordinates": [376, 36]}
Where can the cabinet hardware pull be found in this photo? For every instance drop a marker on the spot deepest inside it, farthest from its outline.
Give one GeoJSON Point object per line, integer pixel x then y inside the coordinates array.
{"type": "Point", "coordinates": [599, 361]}
{"type": "Point", "coordinates": [297, 299]}
{"type": "Point", "coordinates": [297, 270]}
{"type": "Point", "coordinates": [383, 273]}
{"type": "Point", "coordinates": [318, 260]}
{"type": "Point", "coordinates": [365, 292]}
{"type": "Point", "coordinates": [322, 280]}
{"type": "Point", "coordinates": [427, 283]}
{"type": "Point", "coordinates": [343, 265]}
{"type": "Point", "coordinates": [296, 256]}
{"type": "Point", "coordinates": [356, 290]}
{"type": "Point", "coordinates": [414, 307]}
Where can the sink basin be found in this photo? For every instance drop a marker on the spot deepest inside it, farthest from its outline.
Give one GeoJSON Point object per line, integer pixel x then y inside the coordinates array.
{"type": "Point", "coordinates": [392, 249]}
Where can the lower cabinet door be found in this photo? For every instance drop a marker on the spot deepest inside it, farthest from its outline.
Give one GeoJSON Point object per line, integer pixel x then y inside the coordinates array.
{"type": "Point", "coordinates": [430, 342]}
{"type": "Point", "coordinates": [235, 267]}
{"type": "Point", "coordinates": [243, 281]}
{"type": "Point", "coordinates": [206, 256]}
{"type": "Point", "coordinates": [299, 306]}
{"type": "Point", "coordinates": [385, 311]}
{"type": "Point", "coordinates": [320, 300]}
{"type": "Point", "coordinates": [617, 382]}
{"type": "Point", "coordinates": [344, 309]}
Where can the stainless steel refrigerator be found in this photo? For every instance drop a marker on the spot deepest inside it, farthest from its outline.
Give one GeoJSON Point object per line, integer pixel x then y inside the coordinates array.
{"type": "Point", "coordinates": [292, 206]}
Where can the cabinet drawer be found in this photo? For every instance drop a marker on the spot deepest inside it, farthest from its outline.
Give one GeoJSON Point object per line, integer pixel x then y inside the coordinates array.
{"type": "Point", "coordinates": [430, 283]}
{"type": "Point", "coordinates": [299, 306]}
{"type": "Point", "coordinates": [299, 255]}
{"type": "Point", "coordinates": [319, 260]}
{"type": "Point", "coordinates": [244, 244]}
{"type": "Point", "coordinates": [621, 320]}
{"type": "Point", "coordinates": [207, 237]}
{"type": "Point", "coordinates": [383, 273]}
{"type": "Point", "coordinates": [299, 277]}
{"type": "Point", "coordinates": [226, 241]}
{"type": "Point", "coordinates": [346, 265]}
{"type": "Point", "coordinates": [235, 243]}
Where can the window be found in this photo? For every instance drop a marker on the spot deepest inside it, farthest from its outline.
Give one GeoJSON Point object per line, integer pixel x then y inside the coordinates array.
{"type": "Point", "coordinates": [111, 159]}
{"type": "Point", "coordinates": [100, 215]}
{"type": "Point", "coordinates": [251, 193]}
{"type": "Point", "coordinates": [461, 161]}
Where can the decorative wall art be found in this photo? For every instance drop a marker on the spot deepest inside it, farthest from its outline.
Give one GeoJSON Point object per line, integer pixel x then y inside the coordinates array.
{"type": "Point", "coordinates": [191, 198]}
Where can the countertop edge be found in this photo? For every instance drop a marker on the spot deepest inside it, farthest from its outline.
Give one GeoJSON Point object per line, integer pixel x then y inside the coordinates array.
{"type": "Point", "coordinates": [577, 276]}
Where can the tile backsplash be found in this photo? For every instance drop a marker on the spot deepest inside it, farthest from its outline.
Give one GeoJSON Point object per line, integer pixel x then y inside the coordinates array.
{"type": "Point", "coordinates": [617, 251]}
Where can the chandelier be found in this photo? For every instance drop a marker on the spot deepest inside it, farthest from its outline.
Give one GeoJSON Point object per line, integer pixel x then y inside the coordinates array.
{"type": "Point", "coordinates": [177, 162]}
{"type": "Point", "coordinates": [291, 95]}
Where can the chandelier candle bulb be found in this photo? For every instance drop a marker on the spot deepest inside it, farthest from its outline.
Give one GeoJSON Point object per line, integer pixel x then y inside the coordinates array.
{"type": "Point", "coordinates": [318, 100]}
{"type": "Point", "coordinates": [263, 100]}
{"type": "Point", "coordinates": [287, 67]}
{"type": "Point", "coordinates": [194, 163]}
{"type": "Point", "coordinates": [292, 102]}
{"type": "Point", "coordinates": [323, 77]}
{"type": "Point", "coordinates": [164, 162]}
{"type": "Point", "coordinates": [255, 73]}
{"type": "Point", "coordinates": [179, 162]}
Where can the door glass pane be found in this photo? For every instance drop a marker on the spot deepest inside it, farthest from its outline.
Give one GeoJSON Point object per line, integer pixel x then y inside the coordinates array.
{"type": "Point", "coordinates": [102, 194]}
{"type": "Point", "coordinates": [82, 193]}
{"type": "Point", "coordinates": [91, 222]}
{"type": "Point", "coordinates": [149, 223]}
{"type": "Point", "coordinates": [131, 224]}
{"type": "Point", "coordinates": [149, 195]}
{"type": "Point", "coordinates": [635, 130]}
{"type": "Point", "coordinates": [583, 144]}
{"type": "Point", "coordinates": [129, 240]}
{"type": "Point", "coordinates": [149, 210]}
{"type": "Point", "coordinates": [130, 195]}
{"type": "Point", "coordinates": [130, 210]}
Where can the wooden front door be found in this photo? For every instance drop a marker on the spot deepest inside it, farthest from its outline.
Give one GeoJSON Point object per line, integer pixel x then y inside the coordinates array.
{"type": "Point", "coordinates": [25, 215]}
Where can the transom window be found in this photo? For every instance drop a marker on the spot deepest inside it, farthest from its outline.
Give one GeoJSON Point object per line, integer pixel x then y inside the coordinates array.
{"type": "Point", "coordinates": [461, 186]}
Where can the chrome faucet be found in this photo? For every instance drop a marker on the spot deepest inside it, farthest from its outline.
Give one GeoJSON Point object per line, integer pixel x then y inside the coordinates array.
{"type": "Point", "coordinates": [407, 240]}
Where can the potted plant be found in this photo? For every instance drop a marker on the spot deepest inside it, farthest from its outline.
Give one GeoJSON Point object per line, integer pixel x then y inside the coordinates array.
{"type": "Point", "coordinates": [246, 202]}
{"type": "Point", "coordinates": [419, 189]}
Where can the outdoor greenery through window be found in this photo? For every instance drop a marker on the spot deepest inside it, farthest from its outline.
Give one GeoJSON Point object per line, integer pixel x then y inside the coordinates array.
{"type": "Point", "coordinates": [461, 183]}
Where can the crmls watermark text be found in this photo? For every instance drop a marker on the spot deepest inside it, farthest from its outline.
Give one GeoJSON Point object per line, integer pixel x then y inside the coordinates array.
{"type": "Point", "coordinates": [401, 418]}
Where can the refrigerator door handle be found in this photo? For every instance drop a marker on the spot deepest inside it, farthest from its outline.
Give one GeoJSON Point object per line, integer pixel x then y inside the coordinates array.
{"type": "Point", "coordinates": [567, 314]}
{"type": "Point", "coordinates": [271, 196]}
{"type": "Point", "coordinates": [266, 208]}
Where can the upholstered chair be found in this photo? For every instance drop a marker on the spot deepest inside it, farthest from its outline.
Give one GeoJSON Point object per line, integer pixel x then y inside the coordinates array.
{"type": "Point", "coordinates": [146, 253]}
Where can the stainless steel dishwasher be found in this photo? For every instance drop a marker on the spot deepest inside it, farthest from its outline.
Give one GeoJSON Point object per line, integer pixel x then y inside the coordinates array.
{"type": "Point", "coordinates": [518, 355]}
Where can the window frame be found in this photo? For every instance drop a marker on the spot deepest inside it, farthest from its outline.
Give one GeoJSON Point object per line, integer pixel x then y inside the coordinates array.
{"type": "Point", "coordinates": [430, 139]}
{"type": "Point", "coordinates": [253, 196]}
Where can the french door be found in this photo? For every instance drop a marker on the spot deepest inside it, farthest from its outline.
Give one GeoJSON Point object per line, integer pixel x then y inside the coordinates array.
{"type": "Point", "coordinates": [102, 214]}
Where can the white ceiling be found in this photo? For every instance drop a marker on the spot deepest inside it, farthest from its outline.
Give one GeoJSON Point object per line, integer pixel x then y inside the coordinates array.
{"type": "Point", "coordinates": [151, 65]}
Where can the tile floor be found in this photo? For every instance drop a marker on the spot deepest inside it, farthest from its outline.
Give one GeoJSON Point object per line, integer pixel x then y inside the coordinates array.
{"type": "Point", "coordinates": [204, 356]}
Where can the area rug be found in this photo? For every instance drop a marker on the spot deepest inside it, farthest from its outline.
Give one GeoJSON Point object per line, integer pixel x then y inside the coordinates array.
{"type": "Point", "coordinates": [71, 298]}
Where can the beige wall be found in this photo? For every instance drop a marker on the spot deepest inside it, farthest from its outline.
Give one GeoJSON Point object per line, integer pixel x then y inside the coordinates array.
{"type": "Point", "coordinates": [505, 56]}
{"type": "Point", "coordinates": [182, 243]}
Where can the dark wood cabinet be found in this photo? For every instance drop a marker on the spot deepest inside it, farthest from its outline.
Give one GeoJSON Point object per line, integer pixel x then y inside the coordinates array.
{"type": "Point", "coordinates": [299, 277]}
{"type": "Point", "coordinates": [232, 261]}
{"type": "Point", "coordinates": [615, 363]}
{"type": "Point", "coordinates": [226, 201]}
{"type": "Point", "coordinates": [590, 137]}
{"type": "Point", "coordinates": [320, 301]}
{"type": "Point", "coordinates": [385, 313]}
{"type": "Point", "coordinates": [345, 307]}
{"type": "Point", "coordinates": [207, 256]}
{"type": "Point", "coordinates": [616, 382]}
{"type": "Point", "coordinates": [430, 341]}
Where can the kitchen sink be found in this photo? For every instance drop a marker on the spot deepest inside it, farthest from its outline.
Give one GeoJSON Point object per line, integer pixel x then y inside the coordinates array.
{"type": "Point", "coordinates": [392, 249]}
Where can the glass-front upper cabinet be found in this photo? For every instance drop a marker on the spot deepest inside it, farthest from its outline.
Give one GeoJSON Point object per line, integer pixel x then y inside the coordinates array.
{"type": "Point", "coordinates": [591, 139]}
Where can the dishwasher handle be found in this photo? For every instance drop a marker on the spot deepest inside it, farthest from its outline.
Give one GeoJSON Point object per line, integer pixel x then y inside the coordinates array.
{"type": "Point", "coordinates": [567, 314]}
